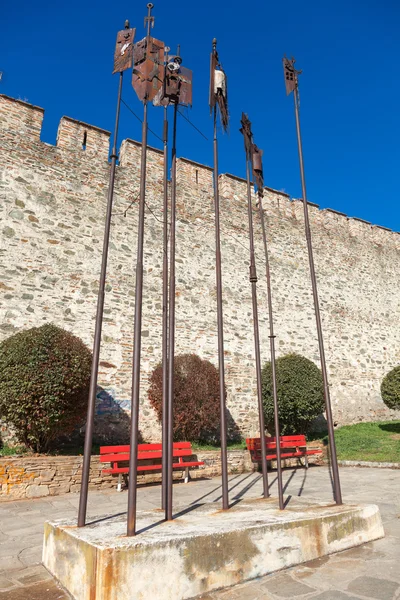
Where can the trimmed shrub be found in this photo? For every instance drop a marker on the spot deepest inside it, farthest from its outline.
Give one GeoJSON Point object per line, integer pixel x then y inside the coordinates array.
{"type": "Point", "coordinates": [196, 399]}
{"type": "Point", "coordinates": [300, 394]}
{"type": "Point", "coordinates": [44, 384]}
{"type": "Point", "coordinates": [390, 388]}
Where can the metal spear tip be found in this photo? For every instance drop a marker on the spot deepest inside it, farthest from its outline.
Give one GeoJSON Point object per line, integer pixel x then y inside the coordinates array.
{"type": "Point", "coordinates": [127, 26]}
{"type": "Point", "coordinates": [214, 42]}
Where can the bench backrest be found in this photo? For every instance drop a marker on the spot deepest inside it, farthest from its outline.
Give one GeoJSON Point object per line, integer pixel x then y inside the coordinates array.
{"type": "Point", "coordinates": [286, 441]}
{"type": "Point", "coordinates": [145, 451]}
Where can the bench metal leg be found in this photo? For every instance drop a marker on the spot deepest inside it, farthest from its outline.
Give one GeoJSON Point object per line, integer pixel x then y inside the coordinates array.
{"type": "Point", "coordinates": [187, 476]}
{"type": "Point", "coordinates": [119, 486]}
{"type": "Point", "coordinates": [306, 461]}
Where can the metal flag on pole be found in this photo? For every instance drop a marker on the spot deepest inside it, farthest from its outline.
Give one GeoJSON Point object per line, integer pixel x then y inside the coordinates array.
{"type": "Point", "coordinates": [148, 57]}
{"type": "Point", "coordinates": [259, 183]}
{"type": "Point", "coordinates": [177, 89]}
{"type": "Point", "coordinates": [219, 97]}
{"type": "Point", "coordinates": [248, 144]}
{"type": "Point", "coordinates": [122, 61]}
{"type": "Point", "coordinates": [292, 85]}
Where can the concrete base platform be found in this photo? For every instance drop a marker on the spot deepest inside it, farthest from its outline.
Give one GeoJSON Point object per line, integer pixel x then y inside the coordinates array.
{"type": "Point", "coordinates": [201, 550]}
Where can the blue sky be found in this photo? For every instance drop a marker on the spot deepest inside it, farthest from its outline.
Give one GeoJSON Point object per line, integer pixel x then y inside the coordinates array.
{"type": "Point", "coordinates": [59, 56]}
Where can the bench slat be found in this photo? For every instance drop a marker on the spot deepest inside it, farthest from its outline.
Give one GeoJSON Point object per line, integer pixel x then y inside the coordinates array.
{"type": "Point", "coordinates": [181, 465]}
{"type": "Point", "coordinates": [142, 447]}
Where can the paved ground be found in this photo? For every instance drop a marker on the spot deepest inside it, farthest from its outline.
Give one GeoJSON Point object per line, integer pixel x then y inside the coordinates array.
{"type": "Point", "coordinates": [370, 572]}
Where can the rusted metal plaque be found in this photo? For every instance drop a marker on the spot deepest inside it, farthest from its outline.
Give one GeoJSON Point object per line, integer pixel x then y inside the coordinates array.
{"type": "Point", "coordinates": [247, 135]}
{"type": "Point", "coordinates": [258, 169]}
{"type": "Point", "coordinates": [177, 88]}
{"type": "Point", "coordinates": [290, 75]}
{"type": "Point", "coordinates": [148, 68]}
{"type": "Point", "coordinates": [213, 66]}
{"type": "Point", "coordinates": [123, 56]}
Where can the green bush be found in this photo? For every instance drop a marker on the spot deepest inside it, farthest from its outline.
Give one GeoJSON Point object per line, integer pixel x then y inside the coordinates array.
{"type": "Point", "coordinates": [390, 388]}
{"type": "Point", "coordinates": [300, 394]}
{"type": "Point", "coordinates": [44, 384]}
{"type": "Point", "coordinates": [196, 399]}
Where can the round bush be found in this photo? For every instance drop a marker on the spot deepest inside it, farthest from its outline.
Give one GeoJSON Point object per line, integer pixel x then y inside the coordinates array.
{"type": "Point", "coordinates": [44, 384]}
{"type": "Point", "coordinates": [196, 399]}
{"type": "Point", "coordinates": [300, 394]}
{"type": "Point", "coordinates": [390, 388]}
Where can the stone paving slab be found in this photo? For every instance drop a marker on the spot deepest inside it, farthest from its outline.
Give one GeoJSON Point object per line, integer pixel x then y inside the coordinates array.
{"type": "Point", "coordinates": [337, 577]}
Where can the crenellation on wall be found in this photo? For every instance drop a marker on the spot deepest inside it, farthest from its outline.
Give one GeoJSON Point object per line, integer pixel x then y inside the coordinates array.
{"type": "Point", "coordinates": [20, 117]}
{"type": "Point", "coordinates": [81, 137]}
{"type": "Point", "coordinates": [53, 207]}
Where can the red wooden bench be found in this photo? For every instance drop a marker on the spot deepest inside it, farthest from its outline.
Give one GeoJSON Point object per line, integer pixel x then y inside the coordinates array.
{"type": "Point", "coordinates": [292, 446]}
{"type": "Point", "coordinates": [149, 459]}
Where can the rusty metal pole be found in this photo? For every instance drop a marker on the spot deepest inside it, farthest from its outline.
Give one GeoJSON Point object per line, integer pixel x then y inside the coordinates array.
{"type": "Point", "coordinates": [246, 131]}
{"type": "Point", "coordinates": [165, 322]}
{"type": "Point", "coordinates": [137, 331]}
{"type": "Point", "coordinates": [272, 350]}
{"type": "Point", "coordinates": [328, 407]}
{"type": "Point", "coordinates": [171, 320]}
{"type": "Point", "coordinates": [224, 459]}
{"type": "Point", "coordinates": [98, 326]}
{"type": "Point", "coordinates": [134, 439]}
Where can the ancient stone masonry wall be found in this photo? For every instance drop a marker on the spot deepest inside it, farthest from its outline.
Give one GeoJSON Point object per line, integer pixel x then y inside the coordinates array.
{"type": "Point", "coordinates": [53, 202]}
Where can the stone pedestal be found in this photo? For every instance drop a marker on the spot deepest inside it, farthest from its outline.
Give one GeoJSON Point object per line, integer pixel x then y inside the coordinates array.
{"type": "Point", "coordinates": [203, 549]}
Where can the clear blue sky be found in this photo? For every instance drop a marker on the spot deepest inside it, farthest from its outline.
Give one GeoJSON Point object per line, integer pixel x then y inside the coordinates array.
{"type": "Point", "coordinates": [59, 56]}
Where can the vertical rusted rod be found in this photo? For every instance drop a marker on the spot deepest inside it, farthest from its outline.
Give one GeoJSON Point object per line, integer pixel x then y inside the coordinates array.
{"type": "Point", "coordinates": [328, 408]}
{"type": "Point", "coordinates": [98, 326]}
{"type": "Point", "coordinates": [165, 322]}
{"type": "Point", "coordinates": [134, 439]}
{"type": "Point", "coordinates": [224, 459]}
{"type": "Point", "coordinates": [272, 350]}
{"type": "Point", "coordinates": [253, 280]}
{"type": "Point", "coordinates": [171, 320]}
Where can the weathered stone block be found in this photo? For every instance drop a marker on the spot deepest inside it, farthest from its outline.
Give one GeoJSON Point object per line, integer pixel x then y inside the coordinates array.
{"type": "Point", "coordinates": [37, 491]}
{"type": "Point", "coordinates": [204, 550]}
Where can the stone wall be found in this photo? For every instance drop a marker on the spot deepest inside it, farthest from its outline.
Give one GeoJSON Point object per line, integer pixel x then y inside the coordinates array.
{"type": "Point", "coordinates": [52, 219]}
{"type": "Point", "coordinates": [37, 476]}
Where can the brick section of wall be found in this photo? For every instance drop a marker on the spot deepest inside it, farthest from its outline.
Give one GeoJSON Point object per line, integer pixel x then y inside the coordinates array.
{"type": "Point", "coordinates": [52, 207]}
{"type": "Point", "coordinates": [17, 116]}
{"type": "Point", "coordinates": [34, 477]}
{"type": "Point", "coordinates": [75, 135]}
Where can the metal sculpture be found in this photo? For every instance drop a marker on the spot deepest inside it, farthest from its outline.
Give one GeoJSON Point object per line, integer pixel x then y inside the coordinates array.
{"type": "Point", "coordinates": [248, 145]}
{"type": "Point", "coordinates": [219, 97]}
{"type": "Point", "coordinates": [122, 61]}
{"type": "Point", "coordinates": [292, 85]}
{"type": "Point", "coordinates": [259, 184]}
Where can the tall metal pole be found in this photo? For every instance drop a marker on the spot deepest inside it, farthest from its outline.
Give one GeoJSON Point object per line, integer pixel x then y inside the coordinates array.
{"type": "Point", "coordinates": [171, 332]}
{"type": "Point", "coordinates": [224, 460]}
{"type": "Point", "coordinates": [328, 408]}
{"type": "Point", "coordinates": [272, 349]}
{"type": "Point", "coordinates": [253, 280]}
{"type": "Point", "coordinates": [137, 332]}
{"type": "Point", "coordinates": [98, 326]}
{"type": "Point", "coordinates": [246, 130]}
{"type": "Point", "coordinates": [165, 322]}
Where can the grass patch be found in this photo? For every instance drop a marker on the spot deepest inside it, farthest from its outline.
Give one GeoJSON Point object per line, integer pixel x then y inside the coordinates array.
{"type": "Point", "coordinates": [12, 451]}
{"type": "Point", "coordinates": [379, 441]}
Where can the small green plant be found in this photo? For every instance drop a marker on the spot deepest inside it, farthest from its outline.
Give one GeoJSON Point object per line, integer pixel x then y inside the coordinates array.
{"type": "Point", "coordinates": [390, 388]}
{"type": "Point", "coordinates": [196, 399]}
{"type": "Point", "coordinates": [300, 394]}
{"type": "Point", "coordinates": [44, 383]}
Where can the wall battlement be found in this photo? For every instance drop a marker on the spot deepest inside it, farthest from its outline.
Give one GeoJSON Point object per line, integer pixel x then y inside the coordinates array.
{"type": "Point", "coordinates": [52, 203]}
{"type": "Point", "coordinates": [24, 119]}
